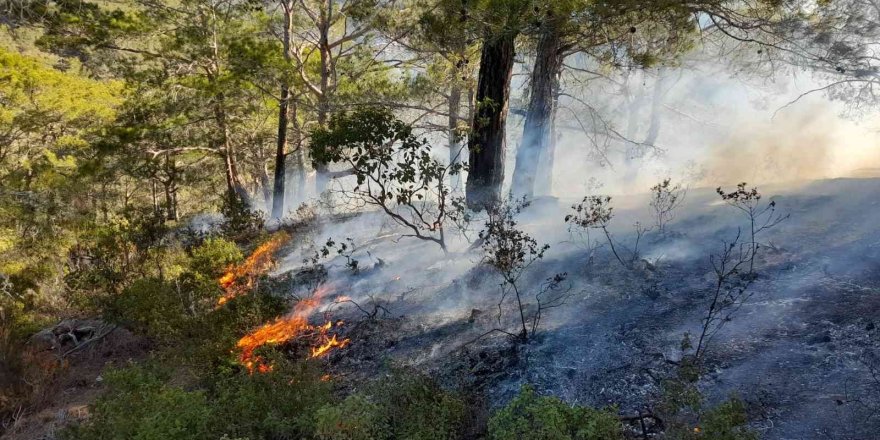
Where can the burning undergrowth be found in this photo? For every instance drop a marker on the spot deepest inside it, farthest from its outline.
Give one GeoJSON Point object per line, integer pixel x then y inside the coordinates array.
{"type": "Point", "coordinates": [240, 279]}
{"type": "Point", "coordinates": [295, 326]}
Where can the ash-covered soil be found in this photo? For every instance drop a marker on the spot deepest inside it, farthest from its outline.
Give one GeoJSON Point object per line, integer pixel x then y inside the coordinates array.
{"type": "Point", "coordinates": [799, 351]}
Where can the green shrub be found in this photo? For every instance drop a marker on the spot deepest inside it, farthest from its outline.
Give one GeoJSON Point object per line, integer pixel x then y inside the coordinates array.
{"type": "Point", "coordinates": [418, 408]}
{"type": "Point", "coordinates": [727, 421]}
{"type": "Point", "coordinates": [356, 418]}
{"type": "Point", "coordinates": [140, 405]}
{"type": "Point", "coordinates": [240, 221]}
{"type": "Point", "coordinates": [150, 306]}
{"type": "Point", "coordinates": [533, 417]}
{"type": "Point", "coordinates": [405, 405]}
{"type": "Point", "coordinates": [685, 415]}
{"type": "Point", "coordinates": [276, 405]}
{"type": "Point", "coordinates": [213, 256]}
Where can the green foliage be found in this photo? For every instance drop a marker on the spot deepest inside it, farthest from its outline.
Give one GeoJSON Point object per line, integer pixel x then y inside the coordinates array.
{"type": "Point", "coordinates": [213, 256]}
{"type": "Point", "coordinates": [182, 310]}
{"type": "Point", "coordinates": [533, 417]}
{"type": "Point", "coordinates": [418, 408]}
{"type": "Point", "coordinates": [292, 401]}
{"type": "Point", "coordinates": [403, 405]}
{"type": "Point", "coordinates": [685, 415]}
{"type": "Point", "coordinates": [47, 120]}
{"type": "Point", "coordinates": [111, 254]}
{"type": "Point", "coordinates": [727, 421]}
{"type": "Point", "coordinates": [240, 221]}
{"type": "Point", "coordinates": [139, 404]}
{"type": "Point", "coordinates": [149, 306]}
{"type": "Point", "coordinates": [356, 418]}
{"type": "Point", "coordinates": [278, 404]}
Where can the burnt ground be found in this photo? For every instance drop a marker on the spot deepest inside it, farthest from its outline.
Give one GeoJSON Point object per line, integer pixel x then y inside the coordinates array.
{"type": "Point", "coordinates": [798, 351]}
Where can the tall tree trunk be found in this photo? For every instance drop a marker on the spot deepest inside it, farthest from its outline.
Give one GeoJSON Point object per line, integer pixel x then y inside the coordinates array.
{"type": "Point", "coordinates": [454, 138]}
{"type": "Point", "coordinates": [280, 154]}
{"type": "Point", "coordinates": [170, 212]}
{"type": "Point", "coordinates": [170, 185]}
{"type": "Point", "coordinates": [537, 131]}
{"type": "Point", "coordinates": [322, 179]}
{"type": "Point", "coordinates": [265, 185]}
{"type": "Point", "coordinates": [155, 195]}
{"type": "Point", "coordinates": [660, 89]}
{"type": "Point", "coordinates": [544, 179]}
{"type": "Point", "coordinates": [486, 143]}
{"type": "Point", "coordinates": [234, 187]}
{"type": "Point", "coordinates": [283, 119]}
{"type": "Point", "coordinates": [300, 171]}
{"type": "Point", "coordinates": [638, 149]}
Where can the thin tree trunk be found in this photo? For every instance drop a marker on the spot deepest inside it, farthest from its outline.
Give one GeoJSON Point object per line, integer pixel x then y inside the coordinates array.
{"type": "Point", "coordinates": [169, 201]}
{"type": "Point", "coordinates": [174, 206]}
{"type": "Point", "coordinates": [486, 143]}
{"type": "Point", "coordinates": [322, 179]}
{"type": "Point", "coordinates": [299, 164]}
{"type": "Point", "coordinates": [452, 127]}
{"type": "Point", "coordinates": [537, 131]}
{"type": "Point", "coordinates": [660, 87]}
{"type": "Point", "coordinates": [170, 188]}
{"type": "Point", "coordinates": [638, 150]}
{"type": "Point", "coordinates": [233, 183]}
{"type": "Point", "coordinates": [280, 154]}
{"type": "Point", "coordinates": [265, 184]}
{"type": "Point", "coordinates": [155, 196]}
{"type": "Point", "coordinates": [283, 119]}
{"type": "Point", "coordinates": [470, 107]}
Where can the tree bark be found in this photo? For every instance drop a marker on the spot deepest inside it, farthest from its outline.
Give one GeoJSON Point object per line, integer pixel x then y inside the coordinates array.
{"type": "Point", "coordinates": [537, 131]}
{"type": "Point", "coordinates": [486, 143]}
{"type": "Point", "coordinates": [452, 128]}
{"type": "Point", "coordinates": [300, 171]}
{"type": "Point", "coordinates": [280, 154]}
{"type": "Point", "coordinates": [233, 184]}
{"type": "Point", "coordinates": [283, 119]}
{"type": "Point", "coordinates": [544, 178]}
{"type": "Point", "coordinates": [660, 89]}
{"type": "Point", "coordinates": [322, 172]}
{"type": "Point", "coordinates": [170, 184]}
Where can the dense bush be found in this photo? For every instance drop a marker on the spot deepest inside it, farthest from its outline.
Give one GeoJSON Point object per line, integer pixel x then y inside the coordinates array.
{"type": "Point", "coordinates": [404, 405]}
{"type": "Point", "coordinates": [149, 306]}
{"type": "Point", "coordinates": [139, 404]}
{"type": "Point", "coordinates": [534, 417]}
{"type": "Point", "coordinates": [356, 418]}
{"type": "Point", "coordinates": [685, 415]}
{"type": "Point", "coordinates": [240, 222]}
{"type": "Point", "coordinates": [725, 421]}
{"type": "Point", "coordinates": [183, 310]}
{"type": "Point", "coordinates": [292, 401]}
{"type": "Point", "coordinates": [213, 256]}
{"type": "Point", "coordinates": [277, 405]}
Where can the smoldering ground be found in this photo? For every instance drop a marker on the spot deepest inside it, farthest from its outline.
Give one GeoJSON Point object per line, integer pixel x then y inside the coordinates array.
{"type": "Point", "coordinates": [794, 351]}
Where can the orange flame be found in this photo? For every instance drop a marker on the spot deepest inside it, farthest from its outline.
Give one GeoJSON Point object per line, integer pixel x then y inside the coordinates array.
{"type": "Point", "coordinates": [285, 329]}
{"type": "Point", "coordinates": [239, 279]}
